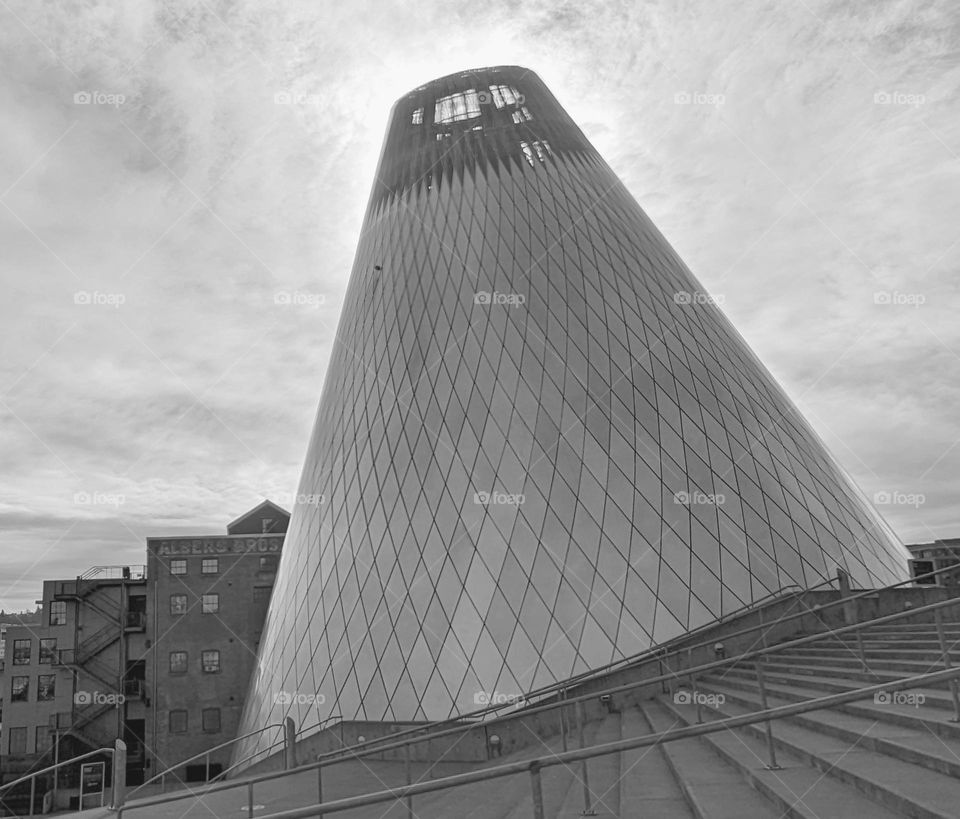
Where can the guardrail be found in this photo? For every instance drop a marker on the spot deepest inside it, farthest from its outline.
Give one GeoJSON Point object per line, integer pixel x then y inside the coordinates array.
{"type": "Point", "coordinates": [660, 652]}
{"type": "Point", "coordinates": [655, 652]}
{"type": "Point", "coordinates": [554, 688]}
{"type": "Point", "coordinates": [32, 777]}
{"type": "Point", "coordinates": [364, 749]}
{"type": "Point", "coordinates": [533, 767]}
{"type": "Point", "coordinates": [202, 755]}
{"type": "Point", "coordinates": [319, 725]}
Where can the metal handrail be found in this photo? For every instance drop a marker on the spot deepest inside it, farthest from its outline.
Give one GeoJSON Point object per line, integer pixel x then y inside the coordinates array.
{"type": "Point", "coordinates": [70, 761]}
{"type": "Point", "coordinates": [561, 686]}
{"type": "Point", "coordinates": [534, 766]}
{"type": "Point", "coordinates": [358, 751]}
{"type": "Point", "coordinates": [319, 725]}
{"type": "Point", "coordinates": [203, 754]}
{"type": "Point", "coordinates": [137, 571]}
{"type": "Point", "coordinates": [416, 733]}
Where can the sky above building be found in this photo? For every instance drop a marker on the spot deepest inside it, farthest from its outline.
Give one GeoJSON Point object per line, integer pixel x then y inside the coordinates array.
{"type": "Point", "coordinates": [182, 188]}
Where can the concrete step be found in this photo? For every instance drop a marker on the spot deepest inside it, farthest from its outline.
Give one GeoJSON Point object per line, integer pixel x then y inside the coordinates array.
{"type": "Point", "coordinates": [902, 788]}
{"type": "Point", "coordinates": [711, 787]}
{"type": "Point", "coordinates": [934, 721]}
{"type": "Point", "coordinates": [647, 787]}
{"type": "Point", "coordinates": [796, 789]}
{"type": "Point", "coordinates": [905, 651]}
{"type": "Point", "coordinates": [602, 777]}
{"type": "Point", "coordinates": [912, 744]}
{"type": "Point", "coordinates": [902, 667]}
{"type": "Point", "coordinates": [840, 681]}
{"type": "Point", "coordinates": [873, 675]}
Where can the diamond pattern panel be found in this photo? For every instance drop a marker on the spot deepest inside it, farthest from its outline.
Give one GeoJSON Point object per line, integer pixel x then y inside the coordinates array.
{"type": "Point", "coordinates": [536, 454]}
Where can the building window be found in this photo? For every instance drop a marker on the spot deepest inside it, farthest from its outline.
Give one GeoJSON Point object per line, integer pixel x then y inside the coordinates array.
{"type": "Point", "coordinates": [46, 687]}
{"type": "Point", "coordinates": [210, 661]}
{"type": "Point", "coordinates": [178, 604]}
{"type": "Point", "coordinates": [210, 565]}
{"type": "Point", "coordinates": [417, 118]}
{"type": "Point", "coordinates": [210, 604]}
{"type": "Point", "coordinates": [58, 612]}
{"type": "Point", "coordinates": [178, 722]}
{"type": "Point", "coordinates": [457, 107]}
{"type": "Point", "coordinates": [178, 662]}
{"type": "Point", "coordinates": [18, 740]}
{"type": "Point", "coordinates": [21, 652]}
{"type": "Point", "coordinates": [44, 738]}
{"type": "Point", "coordinates": [178, 566]}
{"type": "Point", "coordinates": [48, 650]}
{"type": "Point", "coordinates": [504, 95]}
{"type": "Point", "coordinates": [268, 563]}
{"type": "Point", "coordinates": [211, 720]}
{"type": "Point", "coordinates": [20, 689]}
{"type": "Point", "coordinates": [261, 594]}
{"type": "Point", "coordinates": [538, 149]}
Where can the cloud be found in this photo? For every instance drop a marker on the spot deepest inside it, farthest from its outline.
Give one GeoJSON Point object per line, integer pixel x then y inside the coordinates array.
{"type": "Point", "coordinates": [199, 197]}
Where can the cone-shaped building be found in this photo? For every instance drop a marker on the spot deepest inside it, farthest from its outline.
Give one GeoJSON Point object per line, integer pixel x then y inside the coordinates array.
{"type": "Point", "coordinates": [540, 446]}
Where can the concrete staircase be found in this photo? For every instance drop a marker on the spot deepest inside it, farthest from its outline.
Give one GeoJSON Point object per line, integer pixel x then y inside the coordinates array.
{"type": "Point", "coordinates": [889, 757]}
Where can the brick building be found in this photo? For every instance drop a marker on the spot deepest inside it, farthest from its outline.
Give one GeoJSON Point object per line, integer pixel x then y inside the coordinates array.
{"type": "Point", "coordinates": [208, 601]}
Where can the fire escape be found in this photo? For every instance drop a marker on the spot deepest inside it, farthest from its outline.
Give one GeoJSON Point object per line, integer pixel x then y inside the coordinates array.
{"type": "Point", "coordinates": [86, 720]}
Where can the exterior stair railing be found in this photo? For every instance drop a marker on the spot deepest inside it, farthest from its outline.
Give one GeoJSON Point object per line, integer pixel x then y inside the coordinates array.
{"type": "Point", "coordinates": [685, 675]}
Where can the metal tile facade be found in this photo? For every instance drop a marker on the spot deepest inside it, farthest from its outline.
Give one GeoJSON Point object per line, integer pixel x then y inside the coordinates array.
{"type": "Point", "coordinates": [540, 446]}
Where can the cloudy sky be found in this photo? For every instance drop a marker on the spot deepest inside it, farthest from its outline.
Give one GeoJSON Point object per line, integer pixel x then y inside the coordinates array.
{"type": "Point", "coordinates": [156, 198]}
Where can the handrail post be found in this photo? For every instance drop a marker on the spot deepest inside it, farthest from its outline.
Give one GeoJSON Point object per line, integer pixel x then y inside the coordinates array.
{"type": "Point", "coordinates": [33, 794]}
{"type": "Point", "coordinates": [119, 774]}
{"type": "Point", "coordinates": [250, 799]}
{"type": "Point", "coordinates": [563, 721]}
{"type": "Point", "coordinates": [206, 766]}
{"type": "Point", "coordinates": [319, 791]}
{"type": "Point", "coordinates": [584, 773]}
{"type": "Point", "coordinates": [406, 768]}
{"type": "Point", "coordinates": [536, 788]}
{"type": "Point", "coordinates": [761, 686]}
{"type": "Point", "coordinates": [693, 686]}
{"type": "Point", "coordinates": [860, 651]}
{"type": "Point", "coordinates": [942, 637]}
{"type": "Point", "coordinates": [289, 744]}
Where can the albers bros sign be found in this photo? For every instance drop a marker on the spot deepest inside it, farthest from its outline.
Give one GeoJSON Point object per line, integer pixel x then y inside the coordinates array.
{"type": "Point", "coordinates": [215, 545]}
